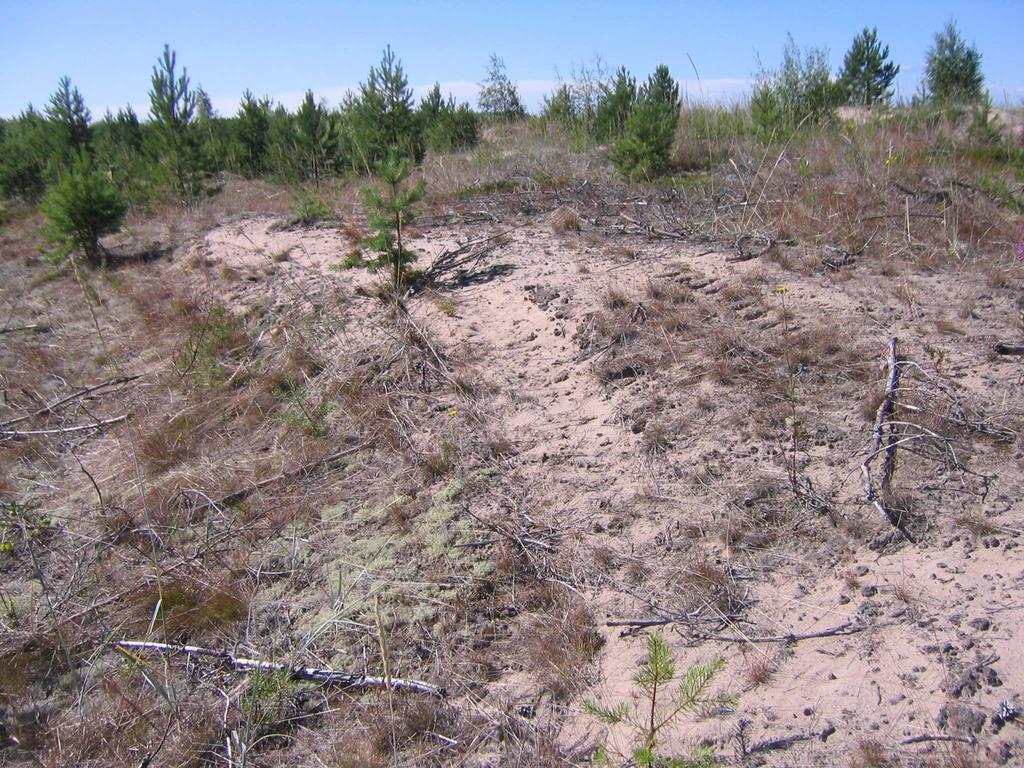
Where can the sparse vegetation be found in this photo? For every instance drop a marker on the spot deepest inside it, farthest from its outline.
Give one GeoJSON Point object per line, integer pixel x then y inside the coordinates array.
{"type": "Point", "coordinates": [801, 91]}
{"type": "Point", "coordinates": [589, 415]}
{"type": "Point", "coordinates": [499, 96]}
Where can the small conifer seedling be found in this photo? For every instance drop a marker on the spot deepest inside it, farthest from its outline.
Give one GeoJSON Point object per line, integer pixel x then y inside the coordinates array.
{"type": "Point", "coordinates": [663, 697]}
{"type": "Point", "coordinates": [391, 210]}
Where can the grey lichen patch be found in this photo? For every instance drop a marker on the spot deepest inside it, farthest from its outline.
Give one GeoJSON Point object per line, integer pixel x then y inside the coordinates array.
{"type": "Point", "coordinates": [444, 523]}
{"type": "Point", "coordinates": [376, 557]}
{"type": "Point", "coordinates": [378, 513]}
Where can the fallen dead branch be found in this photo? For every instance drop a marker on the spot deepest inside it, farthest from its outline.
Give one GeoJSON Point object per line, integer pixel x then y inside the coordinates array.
{"type": "Point", "coordinates": [320, 675]}
{"type": "Point", "coordinates": [652, 231]}
{"type": "Point", "coordinates": [37, 327]}
{"type": "Point", "coordinates": [882, 423]}
{"type": "Point", "coordinates": [1005, 348]}
{"type": "Point", "coordinates": [15, 434]}
{"type": "Point", "coordinates": [743, 253]}
{"type": "Point", "coordinates": [848, 628]}
{"type": "Point", "coordinates": [638, 623]}
{"type": "Point", "coordinates": [465, 257]}
{"type": "Point", "coordinates": [938, 737]}
{"type": "Point", "coordinates": [48, 408]}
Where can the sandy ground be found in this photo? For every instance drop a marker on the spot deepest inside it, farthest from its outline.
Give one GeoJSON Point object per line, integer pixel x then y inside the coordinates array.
{"type": "Point", "coordinates": [921, 640]}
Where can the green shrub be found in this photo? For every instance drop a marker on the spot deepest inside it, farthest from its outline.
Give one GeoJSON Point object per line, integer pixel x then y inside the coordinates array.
{"type": "Point", "coordinates": [82, 207]}
{"type": "Point", "coordinates": [800, 91]}
{"type": "Point", "coordinates": [646, 144]}
{"type": "Point", "coordinates": [310, 208]}
{"type": "Point", "coordinates": [984, 128]}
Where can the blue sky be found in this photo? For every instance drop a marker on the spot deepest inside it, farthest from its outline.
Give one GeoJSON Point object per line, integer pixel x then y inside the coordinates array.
{"type": "Point", "coordinates": [108, 47]}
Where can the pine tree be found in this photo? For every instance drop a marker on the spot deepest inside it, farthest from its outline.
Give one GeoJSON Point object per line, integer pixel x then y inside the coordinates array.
{"type": "Point", "coordinates": [118, 140]}
{"type": "Point", "coordinates": [867, 74]}
{"type": "Point", "coordinates": [314, 138]}
{"type": "Point", "coordinates": [445, 126]}
{"type": "Point", "coordinates": [662, 698]}
{"type": "Point", "coordinates": [616, 105]}
{"type": "Point", "coordinates": [645, 146]}
{"type": "Point", "coordinates": [282, 156]}
{"type": "Point", "coordinates": [953, 69]}
{"type": "Point", "coordinates": [24, 154]}
{"type": "Point", "coordinates": [129, 130]}
{"type": "Point", "coordinates": [391, 211]}
{"type": "Point", "coordinates": [82, 207]}
{"type": "Point", "coordinates": [214, 135]}
{"type": "Point", "coordinates": [253, 129]}
{"type": "Point", "coordinates": [69, 122]}
{"type": "Point", "coordinates": [661, 88]}
{"type": "Point", "coordinates": [173, 112]}
{"type": "Point", "coordinates": [499, 96]}
{"type": "Point", "coordinates": [381, 119]}
{"type": "Point", "coordinates": [559, 107]}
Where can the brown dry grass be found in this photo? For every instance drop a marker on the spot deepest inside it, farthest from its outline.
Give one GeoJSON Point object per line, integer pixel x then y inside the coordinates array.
{"type": "Point", "coordinates": [559, 647]}
{"type": "Point", "coordinates": [481, 570]}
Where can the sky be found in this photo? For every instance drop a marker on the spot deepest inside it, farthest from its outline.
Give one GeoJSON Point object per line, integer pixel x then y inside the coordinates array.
{"type": "Point", "coordinates": [281, 48]}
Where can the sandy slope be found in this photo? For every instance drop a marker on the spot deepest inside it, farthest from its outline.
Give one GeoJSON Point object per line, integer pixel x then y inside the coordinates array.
{"type": "Point", "coordinates": [928, 634]}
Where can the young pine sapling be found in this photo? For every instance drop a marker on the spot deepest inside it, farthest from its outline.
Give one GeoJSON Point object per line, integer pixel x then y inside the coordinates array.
{"type": "Point", "coordinates": [391, 210]}
{"type": "Point", "coordinates": [663, 697]}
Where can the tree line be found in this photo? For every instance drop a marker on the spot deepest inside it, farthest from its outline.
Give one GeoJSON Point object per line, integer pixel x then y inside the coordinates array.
{"type": "Point", "coordinates": [184, 140]}
{"type": "Point", "coordinates": [640, 121]}
{"type": "Point", "coordinates": [94, 170]}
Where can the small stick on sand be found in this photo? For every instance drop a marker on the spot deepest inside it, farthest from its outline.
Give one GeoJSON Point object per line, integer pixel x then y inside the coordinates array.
{"type": "Point", "coordinates": [326, 676]}
{"type": "Point", "coordinates": [885, 413]}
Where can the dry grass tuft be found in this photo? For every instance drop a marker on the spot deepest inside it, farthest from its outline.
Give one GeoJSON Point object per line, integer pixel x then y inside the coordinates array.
{"type": "Point", "coordinates": [758, 670]}
{"type": "Point", "coordinates": [978, 524]}
{"type": "Point", "coordinates": [559, 647]}
{"type": "Point", "coordinates": [869, 753]}
{"type": "Point", "coordinates": [564, 220]}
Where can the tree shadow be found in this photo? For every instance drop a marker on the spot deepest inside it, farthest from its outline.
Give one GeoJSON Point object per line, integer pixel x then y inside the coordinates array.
{"type": "Point", "coordinates": [464, 278]}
